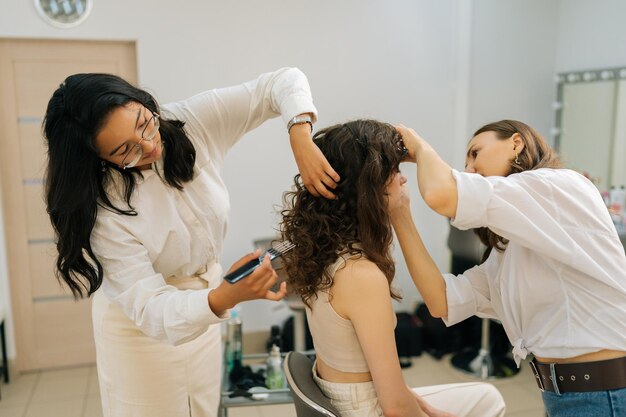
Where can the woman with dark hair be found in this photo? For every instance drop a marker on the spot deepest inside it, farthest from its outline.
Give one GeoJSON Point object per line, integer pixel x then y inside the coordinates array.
{"type": "Point", "coordinates": [342, 269]}
{"type": "Point", "coordinates": [136, 198]}
{"type": "Point", "coordinates": [554, 272]}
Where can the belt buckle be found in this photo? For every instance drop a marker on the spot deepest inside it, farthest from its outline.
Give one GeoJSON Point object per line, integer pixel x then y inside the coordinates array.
{"type": "Point", "coordinates": [537, 376]}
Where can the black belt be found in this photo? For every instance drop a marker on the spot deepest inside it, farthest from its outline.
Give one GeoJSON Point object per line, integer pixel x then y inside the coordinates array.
{"type": "Point", "coordinates": [580, 377]}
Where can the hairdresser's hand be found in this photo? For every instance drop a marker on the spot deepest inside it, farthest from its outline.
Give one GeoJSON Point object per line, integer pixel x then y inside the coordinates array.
{"type": "Point", "coordinates": [412, 141]}
{"type": "Point", "coordinates": [398, 199]}
{"type": "Point", "coordinates": [405, 199]}
{"type": "Point", "coordinates": [253, 287]}
{"type": "Point", "coordinates": [401, 216]}
{"type": "Point", "coordinates": [318, 176]}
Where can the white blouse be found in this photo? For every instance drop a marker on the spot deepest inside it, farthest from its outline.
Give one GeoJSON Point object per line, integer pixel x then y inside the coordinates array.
{"type": "Point", "coordinates": [179, 233]}
{"type": "Point", "coordinates": [559, 287]}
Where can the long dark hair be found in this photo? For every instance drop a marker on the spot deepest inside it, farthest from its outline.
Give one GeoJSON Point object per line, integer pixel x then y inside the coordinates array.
{"type": "Point", "coordinates": [365, 153]}
{"type": "Point", "coordinates": [76, 178]}
{"type": "Point", "coordinates": [536, 154]}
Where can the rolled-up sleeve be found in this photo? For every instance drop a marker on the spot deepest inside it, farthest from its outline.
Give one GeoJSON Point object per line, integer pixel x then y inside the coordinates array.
{"type": "Point", "coordinates": [222, 116]}
{"type": "Point", "coordinates": [161, 311]}
{"type": "Point", "coordinates": [467, 295]}
{"type": "Point", "coordinates": [520, 208]}
{"type": "Point", "coordinates": [474, 197]}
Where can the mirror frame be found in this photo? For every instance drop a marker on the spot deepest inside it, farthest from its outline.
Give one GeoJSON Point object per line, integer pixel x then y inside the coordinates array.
{"type": "Point", "coordinates": [577, 77]}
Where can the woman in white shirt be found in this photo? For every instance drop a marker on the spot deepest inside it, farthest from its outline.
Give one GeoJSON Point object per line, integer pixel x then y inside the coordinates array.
{"type": "Point", "coordinates": [135, 194]}
{"type": "Point", "coordinates": [554, 272]}
{"type": "Point", "coordinates": [342, 268]}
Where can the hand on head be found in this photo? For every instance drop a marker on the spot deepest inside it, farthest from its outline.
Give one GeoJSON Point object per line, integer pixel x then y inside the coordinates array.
{"type": "Point", "coordinates": [318, 176]}
{"type": "Point", "coordinates": [411, 140]}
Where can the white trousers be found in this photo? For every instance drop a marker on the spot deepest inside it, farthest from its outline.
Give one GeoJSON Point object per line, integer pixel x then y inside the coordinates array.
{"type": "Point", "coordinates": [472, 399]}
{"type": "Point", "coordinates": [142, 377]}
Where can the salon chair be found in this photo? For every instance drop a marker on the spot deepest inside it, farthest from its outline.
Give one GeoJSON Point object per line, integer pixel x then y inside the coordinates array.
{"type": "Point", "coordinates": [467, 252]}
{"type": "Point", "coordinates": [308, 399]}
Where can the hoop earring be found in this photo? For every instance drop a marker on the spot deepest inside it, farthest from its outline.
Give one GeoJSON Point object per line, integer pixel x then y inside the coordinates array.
{"type": "Point", "coordinates": [104, 166]}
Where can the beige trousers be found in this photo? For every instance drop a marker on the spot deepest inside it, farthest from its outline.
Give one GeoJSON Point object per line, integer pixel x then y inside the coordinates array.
{"type": "Point", "coordinates": [142, 377]}
{"type": "Point", "coordinates": [472, 399]}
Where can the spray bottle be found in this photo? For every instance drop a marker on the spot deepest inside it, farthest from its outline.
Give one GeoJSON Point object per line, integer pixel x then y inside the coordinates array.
{"type": "Point", "coordinates": [274, 378]}
{"type": "Point", "coordinates": [233, 341]}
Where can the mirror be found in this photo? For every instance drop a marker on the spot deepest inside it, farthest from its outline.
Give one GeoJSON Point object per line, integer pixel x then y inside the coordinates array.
{"type": "Point", "coordinates": [590, 132]}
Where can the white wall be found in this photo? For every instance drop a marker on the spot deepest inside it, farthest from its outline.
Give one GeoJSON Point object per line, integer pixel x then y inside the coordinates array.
{"type": "Point", "coordinates": [513, 56]}
{"type": "Point", "coordinates": [591, 35]}
{"type": "Point", "coordinates": [442, 67]}
{"type": "Point", "coordinates": [391, 60]}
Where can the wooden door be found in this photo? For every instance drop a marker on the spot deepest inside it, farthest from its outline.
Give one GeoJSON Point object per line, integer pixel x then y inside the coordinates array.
{"type": "Point", "coordinates": [51, 329]}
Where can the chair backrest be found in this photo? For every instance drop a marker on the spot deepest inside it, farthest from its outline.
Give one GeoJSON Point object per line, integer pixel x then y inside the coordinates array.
{"type": "Point", "coordinates": [309, 400]}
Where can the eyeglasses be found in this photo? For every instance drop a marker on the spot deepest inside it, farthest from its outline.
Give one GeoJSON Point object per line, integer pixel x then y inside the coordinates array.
{"type": "Point", "coordinates": [149, 132]}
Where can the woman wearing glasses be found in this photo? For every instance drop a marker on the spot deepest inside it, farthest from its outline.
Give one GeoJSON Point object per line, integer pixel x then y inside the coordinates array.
{"type": "Point", "coordinates": [140, 210]}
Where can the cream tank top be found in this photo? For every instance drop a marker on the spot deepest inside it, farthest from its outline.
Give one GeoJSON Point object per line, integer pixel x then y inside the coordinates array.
{"type": "Point", "coordinates": [334, 337]}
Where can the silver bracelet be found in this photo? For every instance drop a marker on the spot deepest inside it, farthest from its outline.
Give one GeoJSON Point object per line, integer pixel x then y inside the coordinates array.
{"type": "Point", "coordinates": [298, 120]}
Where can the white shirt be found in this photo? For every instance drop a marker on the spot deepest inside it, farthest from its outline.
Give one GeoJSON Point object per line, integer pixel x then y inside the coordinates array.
{"type": "Point", "coordinates": [178, 233]}
{"type": "Point", "coordinates": [559, 287]}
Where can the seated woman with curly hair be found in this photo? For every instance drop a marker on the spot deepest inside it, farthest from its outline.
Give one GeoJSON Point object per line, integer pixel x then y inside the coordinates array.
{"type": "Point", "coordinates": [342, 268]}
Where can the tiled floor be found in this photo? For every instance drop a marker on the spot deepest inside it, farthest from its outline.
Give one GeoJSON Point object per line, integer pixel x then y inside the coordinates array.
{"type": "Point", "coordinates": [73, 392]}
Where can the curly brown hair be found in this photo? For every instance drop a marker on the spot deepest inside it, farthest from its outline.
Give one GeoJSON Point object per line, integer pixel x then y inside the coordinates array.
{"type": "Point", "coordinates": [365, 153]}
{"type": "Point", "coordinates": [536, 154]}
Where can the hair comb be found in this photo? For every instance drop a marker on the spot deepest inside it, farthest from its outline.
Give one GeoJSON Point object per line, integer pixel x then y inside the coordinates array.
{"type": "Point", "coordinates": [246, 269]}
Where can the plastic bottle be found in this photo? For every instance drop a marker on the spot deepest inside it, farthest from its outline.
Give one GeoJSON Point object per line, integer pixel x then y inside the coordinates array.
{"type": "Point", "coordinates": [274, 377]}
{"type": "Point", "coordinates": [233, 341]}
